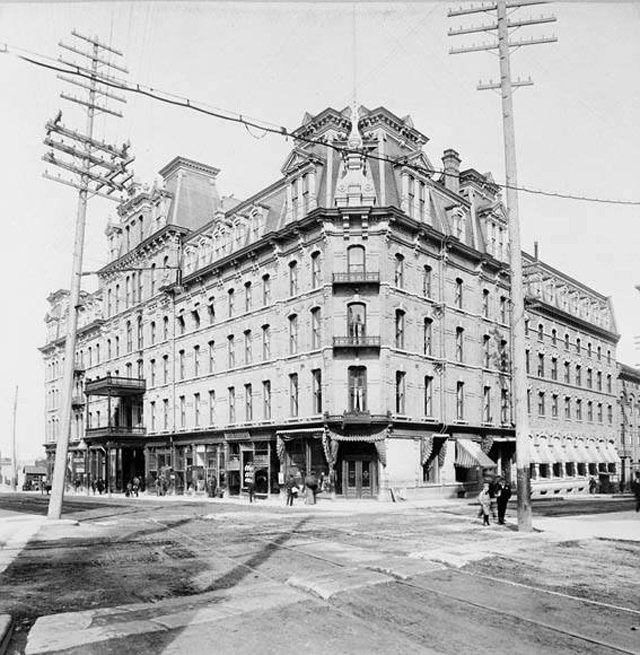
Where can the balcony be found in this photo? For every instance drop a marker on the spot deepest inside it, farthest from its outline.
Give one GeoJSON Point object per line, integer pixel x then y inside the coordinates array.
{"type": "Point", "coordinates": [356, 416]}
{"type": "Point", "coordinates": [77, 400]}
{"type": "Point", "coordinates": [116, 431]}
{"type": "Point", "coordinates": [115, 386]}
{"type": "Point", "coordinates": [79, 369]}
{"type": "Point", "coordinates": [356, 343]}
{"type": "Point", "coordinates": [357, 278]}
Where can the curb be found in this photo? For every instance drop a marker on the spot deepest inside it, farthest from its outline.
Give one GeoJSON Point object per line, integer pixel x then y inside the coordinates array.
{"type": "Point", "coordinates": [6, 630]}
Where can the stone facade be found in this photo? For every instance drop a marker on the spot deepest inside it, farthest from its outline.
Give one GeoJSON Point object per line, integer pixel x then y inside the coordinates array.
{"type": "Point", "coordinates": [629, 420]}
{"type": "Point", "coordinates": [351, 319]}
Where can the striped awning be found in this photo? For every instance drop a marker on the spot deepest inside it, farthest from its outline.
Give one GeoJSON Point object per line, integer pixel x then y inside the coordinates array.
{"type": "Point", "coordinates": [469, 455]}
{"type": "Point", "coordinates": [570, 451]}
{"type": "Point", "coordinates": [608, 454]}
{"type": "Point", "coordinates": [581, 452]}
{"type": "Point", "coordinates": [591, 450]}
{"type": "Point", "coordinates": [542, 453]}
{"type": "Point", "coordinates": [558, 454]}
{"type": "Point", "coordinates": [615, 457]}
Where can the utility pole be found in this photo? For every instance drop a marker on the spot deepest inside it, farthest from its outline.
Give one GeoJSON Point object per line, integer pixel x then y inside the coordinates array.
{"type": "Point", "coordinates": [97, 169]}
{"type": "Point", "coordinates": [501, 28]}
{"type": "Point", "coordinates": [14, 458]}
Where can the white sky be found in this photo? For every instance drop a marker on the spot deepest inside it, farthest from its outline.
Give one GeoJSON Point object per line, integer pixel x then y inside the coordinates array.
{"type": "Point", "coordinates": [577, 130]}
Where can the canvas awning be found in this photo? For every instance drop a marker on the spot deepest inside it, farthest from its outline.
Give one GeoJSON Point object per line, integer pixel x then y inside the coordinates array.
{"type": "Point", "coordinates": [541, 454]}
{"type": "Point", "coordinates": [570, 452]}
{"type": "Point", "coordinates": [469, 455]}
{"type": "Point", "coordinates": [615, 457]}
{"type": "Point", "coordinates": [608, 454]}
{"type": "Point", "coordinates": [593, 457]}
{"type": "Point", "coordinates": [557, 452]}
{"type": "Point", "coordinates": [581, 452]}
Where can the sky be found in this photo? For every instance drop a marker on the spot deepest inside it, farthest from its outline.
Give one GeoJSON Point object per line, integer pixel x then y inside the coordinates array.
{"type": "Point", "coordinates": [577, 130]}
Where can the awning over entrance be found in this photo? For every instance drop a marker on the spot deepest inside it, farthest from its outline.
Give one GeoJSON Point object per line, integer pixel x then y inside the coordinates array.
{"type": "Point", "coordinates": [469, 455]}
{"type": "Point", "coordinates": [378, 439]}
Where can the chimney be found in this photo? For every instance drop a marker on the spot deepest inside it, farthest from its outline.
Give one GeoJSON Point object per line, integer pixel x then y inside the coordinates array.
{"type": "Point", "coordinates": [451, 167]}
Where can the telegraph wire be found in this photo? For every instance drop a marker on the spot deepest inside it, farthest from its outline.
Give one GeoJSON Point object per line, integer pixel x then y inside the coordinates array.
{"type": "Point", "coordinates": [271, 128]}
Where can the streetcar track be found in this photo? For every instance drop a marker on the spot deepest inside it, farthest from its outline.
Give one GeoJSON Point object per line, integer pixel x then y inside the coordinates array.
{"type": "Point", "coordinates": [511, 615]}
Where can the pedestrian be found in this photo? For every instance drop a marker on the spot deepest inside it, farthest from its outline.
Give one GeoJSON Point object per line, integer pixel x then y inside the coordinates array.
{"type": "Point", "coordinates": [494, 489]}
{"type": "Point", "coordinates": [249, 480]}
{"type": "Point", "coordinates": [135, 486]}
{"type": "Point", "coordinates": [128, 490]}
{"type": "Point", "coordinates": [93, 487]}
{"type": "Point", "coordinates": [292, 489]}
{"type": "Point", "coordinates": [502, 499]}
{"type": "Point", "coordinates": [485, 503]}
{"type": "Point", "coordinates": [635, 487]}
{"type": "Point", "coordinates": [100, 485]}
{"type": "Point", "coordinates": [593, 485]}
{"type": "Point", "coordinates": [311, 484]}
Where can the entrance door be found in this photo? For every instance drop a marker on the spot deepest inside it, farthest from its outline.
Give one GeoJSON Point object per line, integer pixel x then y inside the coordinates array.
{"type": "Point", "coordinates": [359, 478]}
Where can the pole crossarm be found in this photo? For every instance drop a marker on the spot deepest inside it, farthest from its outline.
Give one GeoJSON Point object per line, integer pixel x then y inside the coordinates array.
{"type": "Point", "coordinates": [74, 152]}
{"type": "Point", "coordinates": [493, 6]}
{"type": "Point", "coordinates": [53, 126]}
{"type": "Point", "coordinates": [106, 94]}
{"type": "Point", "coordinates": [510, 44]}
{"type": "Point", "coordinates": [95, 42]}
{"type": "Point", "coordinates": [525, 22]}
{"type": "Point", "coordinates": [77, 185]}
{"type": "Point", "coordinates": [92, 105]}
{"type": "Point", "coordinates": [51, 159]}
{"type": "Point", "coordinates": [104, 62]}
{"type": "Point", "coordinates": [492, 86]}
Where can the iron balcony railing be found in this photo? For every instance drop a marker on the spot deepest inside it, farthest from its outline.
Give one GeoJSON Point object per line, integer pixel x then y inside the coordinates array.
{"type": "Point", "coordinates": [356, 342]}
{"type": "Point", "coordinates": [357, 277]}
{"type": "Point", "coordinates": [112, 385]}
{"type": "Point", "coordinates": [117, 431]}
{"type": "Point", "coordinates": [77, 400]}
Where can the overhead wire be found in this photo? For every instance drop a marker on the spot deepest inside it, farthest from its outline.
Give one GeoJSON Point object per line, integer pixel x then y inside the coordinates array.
{"type": "Point", "coordinates": [266, 127]}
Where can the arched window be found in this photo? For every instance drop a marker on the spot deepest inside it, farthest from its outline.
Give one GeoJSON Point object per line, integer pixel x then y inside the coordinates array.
{"type": "Point", "coordinates": [399, 328]}
{"type": "Point", "coordinates": [316, 330]}
{"type": "Point", "coordinates": [356, 320]}
{"type": "Point", "coordinates": [316, 270]}
{"type": "Point", "coordinates": [293, 278]}
{"type": "Point", "coordinates": [428, 336]}
{"type": "Point", "coordinates": [140, 334]}
{"type": "Point", "coordinates": [426, 281]}
{"type": "Point", "coordinates": [357, 388]}
{"type": "Point", "coordinates": [399, 271]}
{"type": "Point", "coordinates": [356, 259]}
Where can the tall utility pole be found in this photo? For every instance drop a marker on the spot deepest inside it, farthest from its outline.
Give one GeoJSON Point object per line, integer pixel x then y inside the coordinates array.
{"type": "Point", "coordinates": [14, 458]}
{"type": "Point", "coordinates": [97, 169]}
{"type": "Point", "coordinates": [501, 28]}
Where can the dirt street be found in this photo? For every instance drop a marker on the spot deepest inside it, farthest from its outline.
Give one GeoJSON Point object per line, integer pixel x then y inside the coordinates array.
{"type": "Point", "coordinates": [405, 579]}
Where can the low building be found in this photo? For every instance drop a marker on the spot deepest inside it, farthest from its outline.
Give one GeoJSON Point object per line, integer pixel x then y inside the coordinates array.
{"type": "Point", "coordinates": [351, 319]}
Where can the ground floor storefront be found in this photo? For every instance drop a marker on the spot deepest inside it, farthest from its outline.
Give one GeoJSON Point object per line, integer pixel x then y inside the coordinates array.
{"type": "Point", "coordinates": [368, 461]}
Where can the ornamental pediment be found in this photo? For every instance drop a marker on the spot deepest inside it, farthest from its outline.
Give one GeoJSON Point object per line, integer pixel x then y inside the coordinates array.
{"type": "Point", "coordinates": [298, 159]}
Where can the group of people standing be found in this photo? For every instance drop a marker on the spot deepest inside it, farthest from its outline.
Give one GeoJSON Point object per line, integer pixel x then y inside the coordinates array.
{"type": "Point", "coordinates": [494, 495]}
{"type": "Point", "coordinates": [308, 485]}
